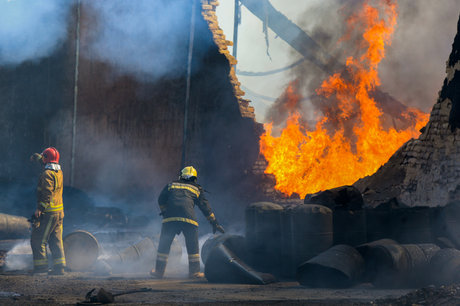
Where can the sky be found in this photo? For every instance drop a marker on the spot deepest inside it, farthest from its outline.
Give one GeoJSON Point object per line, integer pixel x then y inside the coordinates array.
{"type": "Point", "coordinates": [412, 71]}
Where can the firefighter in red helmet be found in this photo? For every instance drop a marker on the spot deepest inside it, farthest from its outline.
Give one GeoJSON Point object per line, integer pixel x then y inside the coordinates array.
{"type": "Point", "coordinates": [49, 215]}
{"type": "Point", "coordinates": [177, 201]}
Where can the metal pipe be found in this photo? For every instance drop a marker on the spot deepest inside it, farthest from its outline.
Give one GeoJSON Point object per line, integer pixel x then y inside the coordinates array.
{"type": "Point", "coordinates": [75, 97]}
{"type": "Point", "coordinates": [187, 91]}
{"type": "Point", "coordinates": [236, 22]}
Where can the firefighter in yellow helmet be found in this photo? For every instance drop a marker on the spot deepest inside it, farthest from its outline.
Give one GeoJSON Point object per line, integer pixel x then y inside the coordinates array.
{"type": "Point", "coordinates": [49, 215]}
{"type": "Point", "coordinates": [177, 201]}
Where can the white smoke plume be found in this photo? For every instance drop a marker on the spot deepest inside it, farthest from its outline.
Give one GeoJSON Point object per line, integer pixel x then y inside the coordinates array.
{"type": "Point", "coordinates": [144, 38]}
{"type": "Point", "coordinates": [31, 30]}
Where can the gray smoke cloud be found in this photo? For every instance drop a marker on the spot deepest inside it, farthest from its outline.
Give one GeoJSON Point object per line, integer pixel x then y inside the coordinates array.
{"type": "Point", "coordinates": [414, 66]}
{"type": "Point", "coordinates": [147, 39]}
{"type": "Point", "coordinates": [31, 30]}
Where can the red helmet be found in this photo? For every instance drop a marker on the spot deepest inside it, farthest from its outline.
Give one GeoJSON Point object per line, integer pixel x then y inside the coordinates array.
{"type": "Point", "coordinates": [50, 155]}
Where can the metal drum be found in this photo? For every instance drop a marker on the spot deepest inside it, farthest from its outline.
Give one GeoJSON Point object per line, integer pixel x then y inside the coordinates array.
{"type": "Point", "coordinates": [14, 227]}
{"type": "Point", "coordinates": [364, 250]}
{"type": "Point", "coordinates": [141, 255]}
{"type": "Point", "coordinates": [224, 266]}
{"type": "Point", "coordinates": [445, 267]}
{"type": "Point", "coordinates": [378, 223]}
{"type": "Point", "coordinates": [349, 227]}
{"type": "Point", "coordinates": [396, 266]}
{"type": "Point", "coordinates": [411, 225]}
{"type": "Point", "coordinates": [235, 243]}
{"type": "Point", "coordinates": [306, 232]}
{"type": "Point", "coordinates": [263, 236]}
{"type": "Point", "coordinates": [339, 267]}
{"type": "Point", "coordinates": [446, 222]}
{"type": "Point", "coordinates": [81, 250]}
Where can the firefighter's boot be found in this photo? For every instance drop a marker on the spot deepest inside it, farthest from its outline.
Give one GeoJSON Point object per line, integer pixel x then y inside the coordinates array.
{"type": "Point", "coordinates": [194, 268]}
{"type": "Point", "coordinates": [57, 270]}
{"type": "Point", "coordinates": [159, 270]}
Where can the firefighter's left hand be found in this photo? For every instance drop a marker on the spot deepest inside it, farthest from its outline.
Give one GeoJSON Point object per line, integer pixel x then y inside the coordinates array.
{"type": "Point", "coordinates": [217, 227]}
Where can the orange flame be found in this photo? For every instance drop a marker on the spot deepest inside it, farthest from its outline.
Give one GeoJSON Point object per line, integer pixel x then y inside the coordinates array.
{"type": "Point", "coordinates": [306, 161]}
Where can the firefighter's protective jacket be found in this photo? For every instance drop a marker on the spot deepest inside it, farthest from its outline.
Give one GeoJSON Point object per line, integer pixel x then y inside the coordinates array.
{"type": "Point", "coordinates": [49, 189]}
{"type": "Point", "coordinates": [178, 199]}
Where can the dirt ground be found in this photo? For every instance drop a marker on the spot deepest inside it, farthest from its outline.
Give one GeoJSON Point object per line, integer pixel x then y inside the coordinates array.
{"type": "Point", "coordinates": [18, 288]}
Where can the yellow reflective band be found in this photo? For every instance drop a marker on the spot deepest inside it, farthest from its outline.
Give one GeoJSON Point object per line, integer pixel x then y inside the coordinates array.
{"type": "Point", "coordinates": [59, 261]}
{"type": "Point", "coordinates": [211, 217]}
{"type": "Point", "coordinates": [40, 262]}
{"type": "Point", "coordinates": [162, 257]}
{"type": "Point", "coordinates": [46, 233]}
{"type": "Point", "coordinates": [194, 257]}
{"type": "Point", "coordinates": [43, 204]}
{"type": "Point", "coordinates": [181, 220]}
{"type": "Point", "coordinates": [57, 208]}
{"type": "Point", "coordinates": [188, 187]}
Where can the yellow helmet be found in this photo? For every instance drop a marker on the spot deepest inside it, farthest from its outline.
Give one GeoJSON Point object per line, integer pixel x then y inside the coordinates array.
{"type": "Point", "coordinates": [188, 172]}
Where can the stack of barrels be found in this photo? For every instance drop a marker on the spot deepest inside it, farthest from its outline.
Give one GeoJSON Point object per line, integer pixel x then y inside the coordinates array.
{"type": "Point", "coordinates": [331, 240]}
{"type": "Point", "coordinates": [280, 238]}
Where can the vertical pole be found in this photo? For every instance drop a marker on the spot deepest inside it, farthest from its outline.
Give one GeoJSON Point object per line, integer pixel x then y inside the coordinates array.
{"type": "Point", "coordinates": [75, 97]}
{"type": "Point", "coordinates": [236, 22]}
{"type": "Point", "coordinates": [187, 91]}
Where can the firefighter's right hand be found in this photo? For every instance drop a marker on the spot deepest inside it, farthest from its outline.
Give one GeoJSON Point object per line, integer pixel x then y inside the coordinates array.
{"type": "Point", "coordinates": [37, 213]}
{"type": "Point", "coordinates": [36, 157]}
{"type": "Point", "coordinates": [217, 227]}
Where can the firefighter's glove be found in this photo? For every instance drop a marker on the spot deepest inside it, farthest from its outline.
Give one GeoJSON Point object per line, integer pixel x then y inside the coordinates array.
{"type": "Point", "coordinates": [217, 227]}
{"type": "Point", "coordinates": [36, 157]}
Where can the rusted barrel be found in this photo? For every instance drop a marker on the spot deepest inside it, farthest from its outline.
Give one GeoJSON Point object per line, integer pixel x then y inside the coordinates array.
{"type": "Point", "coordinates": [306, 232]}
{"type": "Point", "coordinates": [445, 267]}
{"type": "Point", "coordinates": [398, 266]}
{"type": "Point", "coordinates": [81, 250]}
{"type": "Point", "coordinates": [14, 227]}
{"type": "Point", "coordinates": [411, 225]}
{"type": "Point", "coordinates": [349, 227]}
{"type": "Point", "coordinates": [235, 243]}
{"type": "Point", "coordinates": [339, 267]}
{"type": "Point", "coordinates": [263, 236]}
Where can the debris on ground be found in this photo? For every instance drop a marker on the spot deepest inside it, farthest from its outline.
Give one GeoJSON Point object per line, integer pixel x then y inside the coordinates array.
{"type": "Point", "coordinates": [431, 295]}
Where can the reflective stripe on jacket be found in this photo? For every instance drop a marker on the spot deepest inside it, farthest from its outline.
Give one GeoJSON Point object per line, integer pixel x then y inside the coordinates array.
{"type": "Point", "coordinates": [49, 191]}
{"type": "Point", "coordinates": [178, 199]}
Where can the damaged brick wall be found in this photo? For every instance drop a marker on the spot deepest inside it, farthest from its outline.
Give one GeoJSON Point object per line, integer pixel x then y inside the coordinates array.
{"type": "Point", "coordinates": [425, 171]}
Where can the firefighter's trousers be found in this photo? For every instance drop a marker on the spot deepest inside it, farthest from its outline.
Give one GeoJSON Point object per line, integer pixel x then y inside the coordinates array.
{"type": "Point", "coordinates": [168, 231]}
{"type": "Point", "coordinates": [48, 230]}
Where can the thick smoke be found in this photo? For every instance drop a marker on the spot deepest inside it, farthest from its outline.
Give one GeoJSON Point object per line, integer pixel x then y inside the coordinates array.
{"type": "Point", "coordinates": [147, 39]}
{"type": "Point", "coordinates": [31, 30]}
{"type": "Point", "coordinates": [414, 66]}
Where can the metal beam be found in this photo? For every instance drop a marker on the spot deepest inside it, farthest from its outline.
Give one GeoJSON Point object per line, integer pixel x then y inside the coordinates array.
{"type": "Point", "coordinates": [291, 33]}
